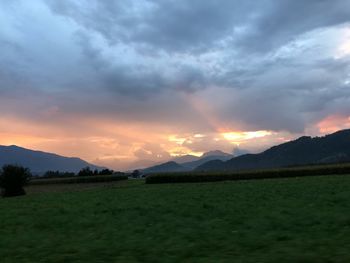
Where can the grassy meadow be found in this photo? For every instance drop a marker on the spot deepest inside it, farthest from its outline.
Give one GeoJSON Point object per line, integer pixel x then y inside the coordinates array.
{"type": "Point", "coordinates": [272, 220]}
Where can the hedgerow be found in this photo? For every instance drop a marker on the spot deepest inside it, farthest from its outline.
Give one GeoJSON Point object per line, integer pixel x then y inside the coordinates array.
{"type": "Point", "coordinates": [193, 177]}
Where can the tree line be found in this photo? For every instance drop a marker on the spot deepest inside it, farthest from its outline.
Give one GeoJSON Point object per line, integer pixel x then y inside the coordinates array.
{"type": "Point", "coordinates": [87, 171]}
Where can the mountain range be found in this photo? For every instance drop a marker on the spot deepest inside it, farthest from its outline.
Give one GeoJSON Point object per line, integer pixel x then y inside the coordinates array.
{"type": "Point", "coordinates": [333, 148]}
{"type": "Point", "coordinates": [39, 162]}
{"type": "Point", "coordinates": [187, 162]}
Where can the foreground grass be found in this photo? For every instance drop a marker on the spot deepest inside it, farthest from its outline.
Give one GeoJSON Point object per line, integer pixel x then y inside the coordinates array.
{"type": "Point", "coordinates": [294, 220]}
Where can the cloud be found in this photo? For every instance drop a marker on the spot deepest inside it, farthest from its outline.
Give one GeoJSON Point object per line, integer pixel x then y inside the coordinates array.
{"type": "Point", "coordinates": [163, 25]}
{"type": "Point", "coordinates": [285, 20]}
{"type": "Point", "coordinates": [183, 26]}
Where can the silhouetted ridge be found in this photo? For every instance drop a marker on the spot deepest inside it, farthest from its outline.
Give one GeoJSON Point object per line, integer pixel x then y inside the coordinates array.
{"type": "Point", "coordinates": [188, 162]}
{"type": "Point", "coordinates": [40, 162]}
{"type": "Point", "coordinates": [305, 150]}
{"type": "Point", "coordinates": [165, 167]}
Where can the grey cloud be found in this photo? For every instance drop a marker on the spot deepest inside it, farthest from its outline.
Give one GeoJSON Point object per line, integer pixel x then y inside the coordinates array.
{"type": "Point", "coordinates": [190, 26]}
{"type": "Point", "coordinates": [72, 64]}
{"type": "Point", "coordinates": [165, 25]}
{"type": "Point", "coordinates": [141, 79]}
{"type": "Point", "coordinates": [284, 20]}
{"type": "Point", "coordinates": [288, 97]}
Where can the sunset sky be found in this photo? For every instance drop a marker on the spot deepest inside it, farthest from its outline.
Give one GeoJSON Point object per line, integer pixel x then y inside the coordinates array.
{"type": "Point", "coordinates": [128, 83]}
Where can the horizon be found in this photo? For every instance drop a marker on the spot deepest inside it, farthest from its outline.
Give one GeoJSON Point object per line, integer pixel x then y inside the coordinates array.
{"type": "Point", "coordinates": [123, 84]}
{"type": "Point", "coordinates": [174, 158]}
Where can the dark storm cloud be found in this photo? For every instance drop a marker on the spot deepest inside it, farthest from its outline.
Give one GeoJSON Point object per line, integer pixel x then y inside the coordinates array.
{"type": "Point", "coordinates": [137, 59]}
{"type": "Point", "coordinates": [290, 96]}
{"type": "Point", "coordinates": [281, 21]}
{"type": "Point", "coordinates": [191, 25]}
{"type": "Point", "coordinates": [166, 25]}
{"type": "Point", "coordinates": [142, 77]}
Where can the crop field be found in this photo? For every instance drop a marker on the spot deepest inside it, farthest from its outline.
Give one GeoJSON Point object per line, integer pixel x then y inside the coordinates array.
{"type": "Point", "coordinates": [197, 176]}
{"type": "Point", "coordinates": [272, 220]}
{"type": "Point", "coordinates": [78, 180]}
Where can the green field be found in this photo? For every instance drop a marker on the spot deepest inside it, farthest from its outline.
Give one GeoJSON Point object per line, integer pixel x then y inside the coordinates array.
{"type": "Point", "coordinates": [273, 220]}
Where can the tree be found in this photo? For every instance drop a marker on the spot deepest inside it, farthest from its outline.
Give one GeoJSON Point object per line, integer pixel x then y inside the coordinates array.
{"type": "Point", "coordinates": [58, 174]}
{"type": "Point", "coordinates": [85, 172]}
{"type": "Point", "coordinates": [106, 172]}
{"type": "Point", "coordinates": [12, 180]}
{"type": "Point", "coordinates": [52, 174]}
{"type": "Point", "coordinates": [135, 174]}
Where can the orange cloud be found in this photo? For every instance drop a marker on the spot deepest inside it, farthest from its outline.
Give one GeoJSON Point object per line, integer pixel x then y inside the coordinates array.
{"type": "Point", "coordinates": [243, 136]}
{"type": "Point", "coordinates": [127, 145]}
{"type": "Point", "coordinates": [334, 123]}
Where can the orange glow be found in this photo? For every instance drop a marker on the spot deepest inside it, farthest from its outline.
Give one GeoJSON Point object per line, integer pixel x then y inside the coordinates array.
{"type": "Point", "coordinates": [100, 141]}
{"type": "Point", "coordinates": [126, 145]}
{"type": "Point", "coordinates": [334, 123]}
{"type": "Point", "coordinates": [241, 136]}
{"type": "Point", "coordinates": [177, 140]}
{"type": "Point", "coordinates": [182, 153]}
{"type": "Point", "coordinates": [205, 111]}
{"type": "Point", "coordinates": [21, 139]}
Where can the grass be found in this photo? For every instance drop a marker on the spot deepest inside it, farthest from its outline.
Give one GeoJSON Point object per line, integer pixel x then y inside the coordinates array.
{"type": "Point", "coordinates": [72, 187]}
{"type": "Point", "coordinates": [78, 179]}
{"type": "Point", "coordinates": [290, 220]}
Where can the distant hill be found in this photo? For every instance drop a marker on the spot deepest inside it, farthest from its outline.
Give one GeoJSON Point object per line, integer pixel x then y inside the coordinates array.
{"type": "Point", "coordinates": [331, 148]}
{"type": "Point", "coordinates": [206, 157]}
{"type": "Point", "coordinates": [164, 168]}
{"type": "Point", "coordinates": [185, 158]}
{"type": "Point", "coordinates": [40, 162]}
{"type": "Point", "coordinates": [216, 153]}
{"type": "Point", "coordinates": [192, 158]}
{"type": "Point", "coordinates": [187, 162]}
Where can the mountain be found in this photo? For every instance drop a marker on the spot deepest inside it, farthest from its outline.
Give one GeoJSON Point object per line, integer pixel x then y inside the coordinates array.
{"type": "Point", "coordinates": [185, 158]}
{"type": "Point", "coordinates": [210, 156]}
{"type": "Point", "coordinates": [238, 152]}
{"type": "Point", "coordinates": [331, 148]}
{"type": "Point", "coordinates": [188, 162]}
{"type": "Point", "coordinates": [216, 153]}
{"type": "Point", "coordinates": [39, 162]}
{"type": "Point", "coordinates": [165, 167]}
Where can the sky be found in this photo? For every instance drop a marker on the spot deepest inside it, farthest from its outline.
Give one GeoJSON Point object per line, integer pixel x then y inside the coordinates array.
{"type": "Point", "coordinates": [130, 83]}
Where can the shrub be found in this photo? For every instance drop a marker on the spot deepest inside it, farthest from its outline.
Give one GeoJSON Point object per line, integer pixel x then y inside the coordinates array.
{"type": "Point", "coordinates": [12, 180]}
